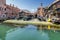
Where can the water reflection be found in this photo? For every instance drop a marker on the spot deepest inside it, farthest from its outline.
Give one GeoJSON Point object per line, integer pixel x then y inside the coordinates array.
{"type": "Point", "coordinates": [30, 32]}
{"type": "Point", "coordinates": [0, 39]}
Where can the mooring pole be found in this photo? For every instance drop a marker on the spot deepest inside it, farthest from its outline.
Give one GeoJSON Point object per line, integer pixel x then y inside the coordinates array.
{"type": "Point", "coordinates": [49, 27]}
{"type": "Point", "coordinates": [39, 27]}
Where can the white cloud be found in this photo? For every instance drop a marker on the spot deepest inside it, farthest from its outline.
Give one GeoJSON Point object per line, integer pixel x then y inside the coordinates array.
{"type": "Point", "coordinates": [33, 10]}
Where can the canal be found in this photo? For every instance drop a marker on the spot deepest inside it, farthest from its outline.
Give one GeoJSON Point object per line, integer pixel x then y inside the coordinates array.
{"type": "Point", "coordinates": [30, 32]}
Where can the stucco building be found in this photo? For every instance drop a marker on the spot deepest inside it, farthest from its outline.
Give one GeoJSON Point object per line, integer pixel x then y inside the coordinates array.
{"type": "Point", "coordinates": [41, 11]}
{"type": "Point", "coordinates": [10, 11]}
{"type": "Point", "coordinates": [54, 9]}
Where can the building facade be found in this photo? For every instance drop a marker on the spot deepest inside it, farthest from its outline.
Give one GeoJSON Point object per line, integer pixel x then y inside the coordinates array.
{"type": "Point", "coordinates": [8, 10]}
{"type": "Point", "coordinates": [12, 11]}
{"type": "Point", "coordinates": [41, 11]}
{"type": "Point", "coordinates": [54, 9]}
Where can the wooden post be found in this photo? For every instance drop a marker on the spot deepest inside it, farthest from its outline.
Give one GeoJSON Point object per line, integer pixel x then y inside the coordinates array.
{"type": "Point", "coordinates": [39, 27]}
{"type": "Point", "coordinates": [54, 30]}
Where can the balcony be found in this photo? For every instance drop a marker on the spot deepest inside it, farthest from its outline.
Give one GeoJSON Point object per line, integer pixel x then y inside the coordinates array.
{"type": "Point", "coordinates": [58, 6]}
{"type": "Point", "coordinates": [58, 10]}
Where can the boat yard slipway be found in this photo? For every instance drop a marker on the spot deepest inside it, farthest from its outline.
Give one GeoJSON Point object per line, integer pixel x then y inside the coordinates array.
{"type": "Point", "coordinates": [39, 24]}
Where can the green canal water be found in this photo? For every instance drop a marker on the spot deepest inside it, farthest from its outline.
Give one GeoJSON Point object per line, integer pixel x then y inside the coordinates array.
{"type": "Point", "coordinates": [30, 32]}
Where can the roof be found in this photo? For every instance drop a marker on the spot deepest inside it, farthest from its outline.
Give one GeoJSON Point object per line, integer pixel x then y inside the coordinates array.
{"type": "Point", "coordinates": [14, 8]}
{"type": "Point", "coordinates": [53, 3]}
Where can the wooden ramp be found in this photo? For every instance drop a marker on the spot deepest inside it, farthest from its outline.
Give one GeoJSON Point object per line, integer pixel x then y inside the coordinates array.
{"type": "Point", "coordinates": [21, 22]}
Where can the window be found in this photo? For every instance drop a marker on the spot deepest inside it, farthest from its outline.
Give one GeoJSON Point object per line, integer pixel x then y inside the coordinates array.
{"type": "Point", "coordinates": [12, 13]}
{"type": "Point", "coordinates": [0, 8]}
{"type": "Point", "coordinates": [58, 15]}
{"type": "Point", "coordinates": [58, 3]}
{"type": "Point", "coordinates": [58, 10]}
{"type": "Point", "coordinates": [5, 9]}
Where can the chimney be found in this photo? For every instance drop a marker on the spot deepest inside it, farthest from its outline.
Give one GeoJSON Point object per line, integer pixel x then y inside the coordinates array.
{"type": "Point", "coordinates": [13, 5]}
{"type": "Point", "coordinates": [10, 4]}
{"type": "Point", "coordinates": [41, 4]}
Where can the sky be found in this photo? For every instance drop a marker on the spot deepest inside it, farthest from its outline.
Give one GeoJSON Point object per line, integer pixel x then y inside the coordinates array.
{"type": "Point", "coordinates": [30, 5]}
